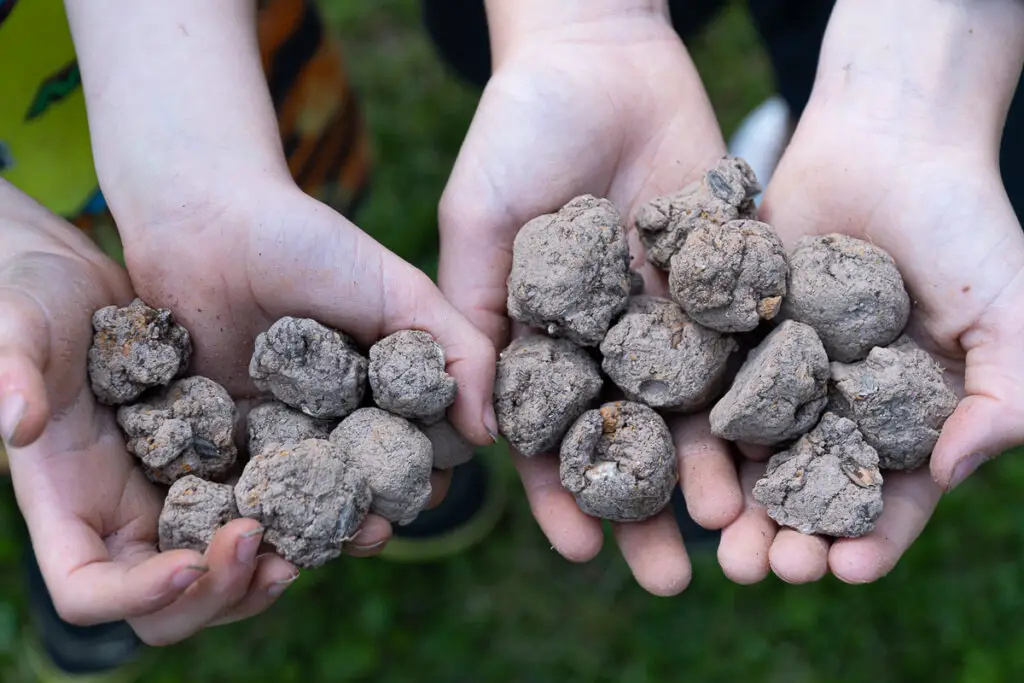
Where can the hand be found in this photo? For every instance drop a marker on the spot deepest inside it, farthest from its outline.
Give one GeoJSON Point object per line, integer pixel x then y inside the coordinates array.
{"type": "Point", "coordinates": [610, 106]}
{"type": "Point", "coordinates": [926, 189]}
{"type": "Point", "coordinates": [91, 513]}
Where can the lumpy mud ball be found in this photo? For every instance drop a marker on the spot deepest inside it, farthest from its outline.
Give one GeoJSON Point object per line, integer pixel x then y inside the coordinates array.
{"type": "Point", "coordinates": [827, 483]}
{"type": "Point", "coordinates": [725, 193]}
{"type": "Point", "coordinates": [135, 348]}
{"type": "Point", "coordinates": [619, 462]}
{"type": "Point", "coordinates": [395, 457]}
{"type": "Point", "coordinates": [730, 277]}
{"type": "Point", "coordinates": [188, 428]}
{"type": "Point", "coordinates": [570, 271]}
{"type": "Point", "coordinates": [450, 448]}
{"type": "Point", "coordinates": [541, 386]}
{"type": "Point", "coordinates": [660, 357]}
{"type": "Point", "coordinates": [194, 511]}
{"type": "Point", "coordinates": [273, 424]}
{"type": "Point", "coordinates": [408, 378]}
{"type": "Point", "coordinates": [849, 291]}
{"type": "Point", "coordinates": [308, 498]}
{"type": "Point", "coordinates": [309, 367]}
{"type": "Point", "coordinates": [899, 398]}
{"type": "Point", "coordinates": [779, 392]}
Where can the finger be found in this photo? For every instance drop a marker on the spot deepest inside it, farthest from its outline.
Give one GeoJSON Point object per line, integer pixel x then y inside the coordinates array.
{"type": "Point", "coordinates": [752, 451]}
{"type": "Point", "coordinates": [272, 577]}
{"type": "Point", "coordinates": [707, 473]}
{"type": "Point", "coordinates": [373, 535]}
{"type": "Point", "coordinates": [990, 420]}
{"type": "Point", "coordinates": [576, 536]}
{"type": "Point", "coordinates": [440, 482]}
{"type": "Point", "coordinates": [744, 548]}
{"type": "Point", "coordinates": [24, 351]}
{"type": "Point", "coordinates": [231, 558]}
{"type": "Point", "coordinates": [797, 557]}
{"type": "Point", "coordinates": [909, 499]}
{"type": "Point", "coordinates": [654, 551]}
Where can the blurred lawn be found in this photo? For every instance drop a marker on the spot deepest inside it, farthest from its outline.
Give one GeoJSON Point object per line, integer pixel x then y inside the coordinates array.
{"type": "Point", "coordinates": [512, 610]}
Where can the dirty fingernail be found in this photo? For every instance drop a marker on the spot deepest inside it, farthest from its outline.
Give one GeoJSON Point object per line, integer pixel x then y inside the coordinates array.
{"type": "Point", "coordinates": [491, 423]}
{"type": "Point", "coordinates": [966, 468]}
{"type": "Point", "coordinates": [12, 409]}
{"type": "Point", "coordinates": [367, 548]}
{"type": "Point", "coordinates": [248, 544]}
{"type": "Point", "coordinates": [186, 576]}
{"type": "Point", "coordinates": [275, 589]}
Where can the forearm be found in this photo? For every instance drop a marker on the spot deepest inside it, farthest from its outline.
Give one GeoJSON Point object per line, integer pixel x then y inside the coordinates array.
{"type": "Point", "coordinates": [946, 68]}
{"type": "Point", "coordinates": [171, 86]}
{"type": "Point", "coordinates": [510, 21]}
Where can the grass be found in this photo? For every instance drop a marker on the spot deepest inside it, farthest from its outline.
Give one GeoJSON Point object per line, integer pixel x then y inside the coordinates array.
{"type": "Point", "coordinates": [511, 609]}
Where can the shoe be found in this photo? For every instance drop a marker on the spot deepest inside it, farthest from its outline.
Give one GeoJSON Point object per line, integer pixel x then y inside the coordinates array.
{"type": "Point", "coordinates": [59, 652]}
{"type": "Point", "coordinates": [761, 138]}
{"type": "Point", "coordinates": [474, 505]}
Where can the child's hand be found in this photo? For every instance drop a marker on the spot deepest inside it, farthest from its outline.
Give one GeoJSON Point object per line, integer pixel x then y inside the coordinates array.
{"type": "Point", "coordinates": [610, 106]}
{"type": "Point", "coordinates": [880, 156]}
{"type": "Point", "coordinates": [91, 512]}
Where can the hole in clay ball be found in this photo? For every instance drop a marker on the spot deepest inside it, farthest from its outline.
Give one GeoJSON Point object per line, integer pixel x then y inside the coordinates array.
{"type": "Point", "coordinates": [655, 392]}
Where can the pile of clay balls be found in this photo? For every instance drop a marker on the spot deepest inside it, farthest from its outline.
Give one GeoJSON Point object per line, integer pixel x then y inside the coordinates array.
{"type": "Point", "coordinates": [828, 379]}
{"type": "Point", "coordinates": [320, 458]}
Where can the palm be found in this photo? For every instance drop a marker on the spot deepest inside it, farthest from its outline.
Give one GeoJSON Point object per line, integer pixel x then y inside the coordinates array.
{"type": "Point", "coordinates": [622, 116]}
{"type": "Point", "coordinates": [947, 222]}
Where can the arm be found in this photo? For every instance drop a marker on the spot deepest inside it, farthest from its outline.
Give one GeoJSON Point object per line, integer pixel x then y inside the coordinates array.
{"type": "Point", "coordinates": [172, 86]}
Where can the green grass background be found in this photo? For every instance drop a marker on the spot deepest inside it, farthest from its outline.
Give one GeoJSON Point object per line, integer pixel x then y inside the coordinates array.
{"type": "Point", "coordinates": [512, 609]}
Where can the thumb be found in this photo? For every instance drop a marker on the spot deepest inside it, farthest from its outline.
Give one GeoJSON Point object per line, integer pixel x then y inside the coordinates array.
{"type": "Point", "coordinates": [24, 352]}
{"type": "Point", "coordinates": [990, 419]}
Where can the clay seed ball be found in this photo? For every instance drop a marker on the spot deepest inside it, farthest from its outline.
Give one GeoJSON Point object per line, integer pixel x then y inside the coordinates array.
{"type": "Point", "coordinates": [308, 498]}
{"type": "Point", "coordinates": [309, 367]}
{"type": "Point", "coordinates": [193, 512]}
{"type": "Point", "coordinates": [658, 356]}
{"type": "Point", "coordinates": [619, 462]}
{"type": "Point", "coordinates": [407, 376]}
{"type": "Point", "coordinates": [274, 424]}
{"type": "Point", "coordinates": [849, 291]}
{"type": "Point", "coordinates": [541, 386]}
{"type": "Point", "coordinates": [135, 348]}
{"type": "Point", "coordinates": [570, 271]}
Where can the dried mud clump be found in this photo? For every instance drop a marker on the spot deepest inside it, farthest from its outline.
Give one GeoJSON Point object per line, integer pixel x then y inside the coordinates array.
{"type": "Point", "coordinates": [725, 193]}
{"type": "Point", "coordinates": [570, 271]}
{"type": "Point", "coordinates": [899, 398]}
{"type": "Point", "coordinates": [395, 457]}
{"type": "Point", "coordinates": [849, 291]}
{"type": "Point", "coordinates": [619, 462]}
{"type": "Point", "coordinates": [828, 483]}
{"type": "Point", "coordinates": [193, 512]}
{"type": "Point", "coordinates": [310, 367]}
{"type": "Point", "coordinates": [730, 277]}
{"type": "Point", "coordinates": [308, 498]}
{"type": "Point", "coordinates": [542, 385]}
{"type": "Point", "coordinates": [779, 392]}
{"type": "Point", "coordinates": [660, 357]}
{"type": "Point", "coordinates": [273, 425]}
{"type": "Point", "coordinates": [450, 448]}
{"type": "Point", "coordinates": [135, 348]}
{"type": "Point", "coordinates": [407, 376]}
{"type": "Point", "coordinates": [188, 428]}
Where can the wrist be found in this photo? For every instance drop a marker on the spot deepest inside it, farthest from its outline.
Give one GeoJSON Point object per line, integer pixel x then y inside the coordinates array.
{"type": "Point", "coordinates": [514, 22]}
{"type": "Point", "coordinates": [936, 71]}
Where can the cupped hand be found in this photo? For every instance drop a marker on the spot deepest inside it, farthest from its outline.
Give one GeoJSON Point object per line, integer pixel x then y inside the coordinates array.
{"type": "Point", "coordinates": [612, 108]}
{"type": "Point", "coordinates": [91, 513]}
{"type": "Point", "coordinates": [939, 208]}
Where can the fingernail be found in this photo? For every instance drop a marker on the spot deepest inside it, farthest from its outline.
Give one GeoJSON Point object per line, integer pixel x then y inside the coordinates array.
{"type": "Point", "coordinates": [491, 423]}
{"type": "Point", "coordinates": [12, 409]}
{"type": "Point", "coordinates": [248, 544]}
{"type": "Point", "coordinates": [367, 548]}
{"type": "Point", "coordinates": [275, 589]}
{"type": "Point", "coordinates": [186, 576]}
{"type": "Point", "coordinates": [966, 468]}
